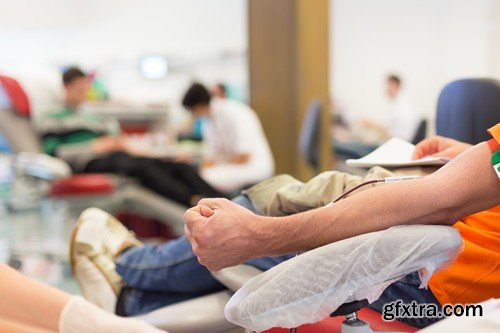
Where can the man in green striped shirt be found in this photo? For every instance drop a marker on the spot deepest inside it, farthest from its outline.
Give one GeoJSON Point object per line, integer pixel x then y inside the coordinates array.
{"type": "Point", "coordinates": [90, 143]}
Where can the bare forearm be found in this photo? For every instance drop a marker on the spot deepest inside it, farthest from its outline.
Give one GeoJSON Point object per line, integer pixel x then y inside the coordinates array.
{"type": "Point", "coordinates": [465, 186]}
{"type": "Point", "coordinates": [28, 301]}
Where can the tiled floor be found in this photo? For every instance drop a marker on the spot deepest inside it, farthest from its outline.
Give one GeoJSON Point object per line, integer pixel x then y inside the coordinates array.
{"type": "Point", "coordinates": [35, 241]}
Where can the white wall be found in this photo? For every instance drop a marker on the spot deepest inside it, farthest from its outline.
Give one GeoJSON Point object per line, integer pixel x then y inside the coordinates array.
{"type": "Point", "coordinates": [428, 42]}
{"type": "Point", "coordinates": [204, 39]}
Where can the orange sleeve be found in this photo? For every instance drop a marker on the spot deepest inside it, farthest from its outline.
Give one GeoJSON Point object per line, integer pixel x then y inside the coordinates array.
{"type": "Point", "coordinates": [495, 132]}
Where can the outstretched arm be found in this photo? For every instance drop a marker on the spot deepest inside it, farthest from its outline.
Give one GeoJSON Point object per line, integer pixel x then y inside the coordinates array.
{"type": "Point", "coordinates": [32, 307]}
{"type": "Point", "coordinates": [224, 234]}
{"type": "Point", "coordinates": [29, 302]}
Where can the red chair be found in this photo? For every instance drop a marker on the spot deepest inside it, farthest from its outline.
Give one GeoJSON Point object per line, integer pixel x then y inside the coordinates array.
{"type": "Point", "coordinates": [18, 98]}
{"type": "Point", "coordinates": [83, 184]}
{"type": "Point", "coordinates": [16, 127]}
{"type": "Point", "coordinates": [76, 184]}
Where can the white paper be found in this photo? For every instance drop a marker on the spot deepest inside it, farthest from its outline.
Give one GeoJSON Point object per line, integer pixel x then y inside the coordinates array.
{"type": "Point", "coordinates": [395, 153]}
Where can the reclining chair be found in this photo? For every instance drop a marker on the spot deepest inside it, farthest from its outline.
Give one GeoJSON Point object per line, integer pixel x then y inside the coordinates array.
{"type": "Point", "coordinates": [310, 136]}
{"type": "Point", "coordinates": [16, 127]}
{"type": "Point", "coordinates": [341, 278]}
{"type": "Point", "coordinates": [308, 288]}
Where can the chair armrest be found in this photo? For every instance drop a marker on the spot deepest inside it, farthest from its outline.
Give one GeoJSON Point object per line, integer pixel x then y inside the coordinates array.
{"type": "Point", "coordinates": [202, 314]}
{"type": "Point", "coordinates": [145, 201]}
{"type": "Point", "coordinates": [309, 287]}
{"type": "Point", "coordinates": [236, 277]}
{"type": "Point", "coordinates": [41, 166]}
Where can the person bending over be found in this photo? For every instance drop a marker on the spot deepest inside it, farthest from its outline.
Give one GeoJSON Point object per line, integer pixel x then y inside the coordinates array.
{"type": "Point", "coordinates": [143, 278]}
{"type": "Point", "coordinates": [92, 144]}
{"type": "Point", "coordinates": [237, 153]}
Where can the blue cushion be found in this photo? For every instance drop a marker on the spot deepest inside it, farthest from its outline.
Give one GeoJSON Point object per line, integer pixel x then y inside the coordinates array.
{"type": "Point", "coordinates": [467, 108]}
{"type": "Point", "coordinates": [4, 145]}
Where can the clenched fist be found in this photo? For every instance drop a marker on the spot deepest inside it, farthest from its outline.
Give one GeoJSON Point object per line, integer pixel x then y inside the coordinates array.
{"type": "Point", "coordinates": [222, 233]}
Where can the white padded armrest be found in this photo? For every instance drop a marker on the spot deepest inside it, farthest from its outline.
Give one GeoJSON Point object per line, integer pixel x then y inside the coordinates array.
{"type": "Point", "coordinates": [307, 288]}
{"type": "Point", "coordinates": [202, 314]}
{"type": "Point", "coordinates": [42, 166]}
{"type": "Point", "coordinates": [235, 277]}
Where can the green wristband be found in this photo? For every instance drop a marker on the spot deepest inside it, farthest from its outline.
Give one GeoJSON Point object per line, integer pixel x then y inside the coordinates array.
{"type": "Point", "coordinates": [495, 158]}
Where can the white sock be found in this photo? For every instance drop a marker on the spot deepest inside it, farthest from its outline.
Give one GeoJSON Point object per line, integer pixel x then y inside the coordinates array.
{"type": "Point", "coordinates": [80, 316]}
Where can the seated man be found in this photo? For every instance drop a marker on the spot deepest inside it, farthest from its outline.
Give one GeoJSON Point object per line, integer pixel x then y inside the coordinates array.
{"type": "Point", "coordinates": [237, 152]}
{"type": "Point", "coordinates": [224, 234]}
{"type": "Point", "coordinates": [92, 144]}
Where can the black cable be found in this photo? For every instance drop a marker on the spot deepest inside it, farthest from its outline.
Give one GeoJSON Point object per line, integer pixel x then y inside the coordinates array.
{"type": "Point", "coordinates": [345, 194]}
{"type": "Point", "coordinates": [368, 182]}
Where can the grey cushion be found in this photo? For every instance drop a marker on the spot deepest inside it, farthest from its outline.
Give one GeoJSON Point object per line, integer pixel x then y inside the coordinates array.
{"type": "Point", "coordinates": [19, 132]}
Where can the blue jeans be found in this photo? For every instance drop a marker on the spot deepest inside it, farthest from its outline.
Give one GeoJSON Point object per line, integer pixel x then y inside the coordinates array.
{"type": "Point", "coordinates": [160, 275]}
{"type": "Point", "coordinates": [407, 291]}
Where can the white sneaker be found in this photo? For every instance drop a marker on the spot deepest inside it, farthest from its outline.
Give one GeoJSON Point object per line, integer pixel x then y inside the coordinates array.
{"type": "Point", "coordinates": [97, 240]}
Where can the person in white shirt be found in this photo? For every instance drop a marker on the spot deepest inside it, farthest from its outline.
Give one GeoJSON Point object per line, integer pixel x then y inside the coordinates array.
{"type": "Point", "coordinates": [403, 117]}
{"type": "Point", "coordinates": [237, 152]}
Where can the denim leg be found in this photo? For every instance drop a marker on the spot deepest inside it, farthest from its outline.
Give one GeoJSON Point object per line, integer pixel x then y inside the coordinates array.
{"type": "Point", "coordinates": [266, 263]}
{"type": "Point", "coordinates": [137, 302]}
{"type": "Point", "coordinates": [170, 267]}
{"type": "Point", "coordinates": [407, 290]}
{"type": "Point", "coordinates": [244, 201]}
{"type": "Point", "coordinates": [160, 275]}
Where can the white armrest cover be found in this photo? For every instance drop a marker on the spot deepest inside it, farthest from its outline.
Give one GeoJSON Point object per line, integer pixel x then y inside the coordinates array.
{"type": "Point", "coordinates": [237, 276]}
{"type": "Point", "coordinates": [42, 166]}
{"type": "Point", "coordinates": [202, 314]}
{"type": "Point", "coordinates": [307, 288]}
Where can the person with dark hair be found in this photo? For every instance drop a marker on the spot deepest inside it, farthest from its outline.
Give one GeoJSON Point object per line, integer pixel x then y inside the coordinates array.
{"type": "Point", "coordinates": [402, 119]}
{"type": "Point", "coordinates": [393, 85]}
{"type": "Point", "coordinates": [90, 143]}
{"type": "Point", "coordinates": [76, 86]}
{"type": "Point", "coordinates": [237, 153]}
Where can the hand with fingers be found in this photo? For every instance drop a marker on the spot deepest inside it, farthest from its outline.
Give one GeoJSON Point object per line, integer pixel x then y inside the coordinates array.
{"type": "Point", "coordinates": [440, 147]}
{"type": "Point", "coordinates": [222, 233]}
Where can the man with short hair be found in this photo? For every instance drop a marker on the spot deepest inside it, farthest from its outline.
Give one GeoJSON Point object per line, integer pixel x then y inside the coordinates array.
{"type": "Point", "coordinates": [76, 86]}
{"type": "Point", "coordinates": [402, 119]}
{"type": "Point", "coordinates": [237, 153]}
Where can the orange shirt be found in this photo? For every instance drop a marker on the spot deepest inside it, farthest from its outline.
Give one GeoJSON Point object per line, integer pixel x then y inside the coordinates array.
{"type": "Point", "coordinates": [475, 275]}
